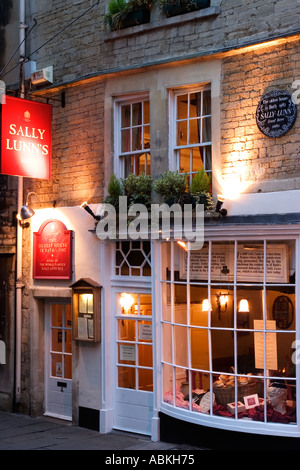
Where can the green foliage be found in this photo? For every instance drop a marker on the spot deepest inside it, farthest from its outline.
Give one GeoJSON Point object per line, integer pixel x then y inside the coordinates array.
{"type": "Point", "coordinates": [118, 9]}
{"type": "Point", "coordinates": [200, 183]}
{"type": "Point", "coordinates": [115, 190]}
{"type": "Point", "coordinates": [138, 189]}
{"type": "Point", "coordinates": [171, 185]}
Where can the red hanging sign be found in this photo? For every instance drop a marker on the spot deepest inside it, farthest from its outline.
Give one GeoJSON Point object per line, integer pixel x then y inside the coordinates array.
{"type": "Point", "coordinates": [26, 138]}
{"type": "Point", "coordinates": [52, 251]}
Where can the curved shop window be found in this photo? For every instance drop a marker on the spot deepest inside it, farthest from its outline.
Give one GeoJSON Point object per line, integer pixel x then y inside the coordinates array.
{"type": "Point", "coordinates": [228, 332]}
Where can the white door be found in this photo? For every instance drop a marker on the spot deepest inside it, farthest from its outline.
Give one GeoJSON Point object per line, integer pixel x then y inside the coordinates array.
{"type": "Point", "coordinates": [133, 397]}
{"type": "Point", "coordinates": [58, 361]}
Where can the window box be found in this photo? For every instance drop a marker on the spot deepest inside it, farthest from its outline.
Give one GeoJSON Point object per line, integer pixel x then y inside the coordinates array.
{"type": "Point", "coordinates": [123, 14]}
{"type": "Point", "coordinates": [178, 7]}
{"type": "Point", "coordinates": [132, 18]}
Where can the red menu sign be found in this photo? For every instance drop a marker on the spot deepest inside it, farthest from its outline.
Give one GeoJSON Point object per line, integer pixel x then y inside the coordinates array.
{"type": "Point", "coordinates": [26, 138]}
{"type": "Point", "coordinates": [52, 251]}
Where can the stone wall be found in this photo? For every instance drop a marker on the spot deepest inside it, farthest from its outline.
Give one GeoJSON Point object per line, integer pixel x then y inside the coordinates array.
{"type": "Point", "coordinates": [77, 153]}
{"type": "Point", "coordinates": [86, 46]}
{"type": "Point", "coordinates": [258, 159]}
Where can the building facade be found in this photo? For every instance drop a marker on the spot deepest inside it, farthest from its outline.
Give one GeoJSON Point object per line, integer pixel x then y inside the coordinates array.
{"type": "Point", "coordinates": [167, 336]}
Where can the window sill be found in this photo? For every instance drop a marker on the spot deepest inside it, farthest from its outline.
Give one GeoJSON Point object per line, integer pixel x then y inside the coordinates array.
{"type": "Point", "coordinates": [163, 22]}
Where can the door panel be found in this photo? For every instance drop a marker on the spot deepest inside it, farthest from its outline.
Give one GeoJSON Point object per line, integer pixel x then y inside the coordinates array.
{"type": "Point", "coordinates": [58, 364]}
{"type": "Point", "coordinates": [133, 398]}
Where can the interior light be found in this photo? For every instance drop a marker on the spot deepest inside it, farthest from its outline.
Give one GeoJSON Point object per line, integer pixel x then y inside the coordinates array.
{"type": "Point", "coordinates": [243, 306]}
{"type": "Point", "coordinates": [205, 305]}
{"type": "Point", "coordinates": [126, 302]}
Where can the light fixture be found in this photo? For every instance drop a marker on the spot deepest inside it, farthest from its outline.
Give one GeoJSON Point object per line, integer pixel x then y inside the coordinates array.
{"type": "Point", "coordinates": [219, 206]}
{"type": "Point", "coordinates": [26, 212]}
{"type": "Point", "coordinates": [183, 245]}
{"type": "Point", "coordinates": [205, 305]}
{"type": "Point", "coordinates": [243, 306]}
{"type": "Point", "coordinates": [85, 206]}
{"type": "Point", "coordinates": [222, 303]}
{"type": "Point", "coordinates": [126, 302]}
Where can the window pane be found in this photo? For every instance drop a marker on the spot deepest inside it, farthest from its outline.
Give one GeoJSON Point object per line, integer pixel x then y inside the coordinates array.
{"type": "Point", "coordinates": [145, 355]}
{"type": "Point", "coordinates": [125, 116]}
{"type": "Point", "coordinates": [145, 380]}
{"type": "Point", "coordinates": [195, 105]}
{"type": "Point", "coordinates": [125, 141]}
{"type": "Point", "coordinates": [181, 133]}
{"type": "Point", "coordinates": [182, 106]}
{"type": "Point", "coordinates": [195, 131]}
{"type": "Point", "coordinates": [146, 112]}
{"type": "Point", "coordinates": [222, 350]}
{"type": "Point", "coordinates": [126, 377]}
{"type": "Point", "coordinates": [181, 350]}
{"type": "Point", "coordinates": [280, 267]}
{"type": "Point", "coordinates": [250, 262]}
{"type": "Point", "coordinates": [184, 161]}
{"type": "Point", "coordinates": [166, 302]}
{"type": "Point", "coordinates": [206, 102]}
{"type": "Point", "coordinates": [137, 138]}
{"type": "Point", "coordinates": [167, 342]}
{"type": "Point", "coordinates": [206, 129]}
{"type": "Point", "coordinates": [68, 367]}
{"type": "Point", "coordinates": [136, 114]}
{"type": "Point", "coordinates": [180, 303]}
{"type": "Point", "coordinates": [199, 309]}
{"type": "Point", "coordinates": [56, 314]}
{"type": "Point", "coordinates": [126, 329]}
{"type": "Point", "coordinates": [222, 304]}
{"type": "Point", "coordinates": [199, 349]}
{"type": "Point", "coordinates": [197, 159]}
{"type": "Point", "coordinates": [281, 307]}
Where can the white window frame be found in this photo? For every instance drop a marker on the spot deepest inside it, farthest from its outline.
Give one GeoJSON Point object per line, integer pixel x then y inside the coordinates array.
{"type": "Point", "coordinates": [174, 148]}
{"type": "Point", "coordinates": [118, 155]}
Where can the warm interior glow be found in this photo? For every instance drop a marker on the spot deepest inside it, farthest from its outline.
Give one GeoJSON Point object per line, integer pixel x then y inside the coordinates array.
{"type": "Point", "coordinates": [205, 305]}
{"type": "Point", "coordinates": [126, 302]}
{"type": "Point", "coordinates": [223, 300]}
{"type": "Point", "coordinates": [244, 306]}
{"type": "Point", "coordinates": [86, 303]}
{"type": "Point", "coordinates": [182, 244]}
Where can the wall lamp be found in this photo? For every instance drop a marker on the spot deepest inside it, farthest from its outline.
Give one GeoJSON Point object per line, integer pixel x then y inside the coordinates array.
{"type": "Point", "coordinates": [219, 206]}
{"type": "Point", "coordinates": [126, 302]}
{"type": "Point", "coordinates": [85, 206]}
{"type": "Point", "coordinates": [26, 212]}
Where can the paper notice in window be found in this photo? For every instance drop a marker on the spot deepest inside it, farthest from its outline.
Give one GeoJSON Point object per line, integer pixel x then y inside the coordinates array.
{"type": "Point", "coordinates": [265, 341]}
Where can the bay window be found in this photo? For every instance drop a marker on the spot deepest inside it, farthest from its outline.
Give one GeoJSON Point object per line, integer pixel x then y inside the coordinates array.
{"type": "Point", "coordinates": [228, 329]}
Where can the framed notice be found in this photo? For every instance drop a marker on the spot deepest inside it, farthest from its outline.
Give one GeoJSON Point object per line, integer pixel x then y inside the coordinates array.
{"type": "Point", "coordinates": [265, 344]}
{"type": "Point", "coordinates": [52, 251]}
{"type": "Point", "coordinates": [249, 265]}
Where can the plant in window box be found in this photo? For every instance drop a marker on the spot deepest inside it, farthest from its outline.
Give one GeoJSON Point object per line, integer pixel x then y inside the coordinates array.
{"type": "Point", "coordinates": [178, 7]}
{"type": "Point", "coordinates": [123, 14]}
{"type": "Point", "coordinates": [115, 190]}
{"type": "Point", "coordinates": [172, 187]}
{"type": "Point", "coordinates": [200, 189]}
{"type": "Point", "coordinates": [138, 189]}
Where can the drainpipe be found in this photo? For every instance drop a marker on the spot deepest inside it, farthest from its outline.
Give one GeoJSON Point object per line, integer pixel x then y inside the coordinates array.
{"type": "Point", "coordinates": [19, 284]}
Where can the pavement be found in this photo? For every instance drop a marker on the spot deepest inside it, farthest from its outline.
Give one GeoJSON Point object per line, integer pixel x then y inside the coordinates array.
{"type": "Point", "coordinates": [23, 433]}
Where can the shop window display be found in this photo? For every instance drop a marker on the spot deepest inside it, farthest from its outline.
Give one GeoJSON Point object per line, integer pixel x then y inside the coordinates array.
{"type": "Point", "coordinates": [228, 329]}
